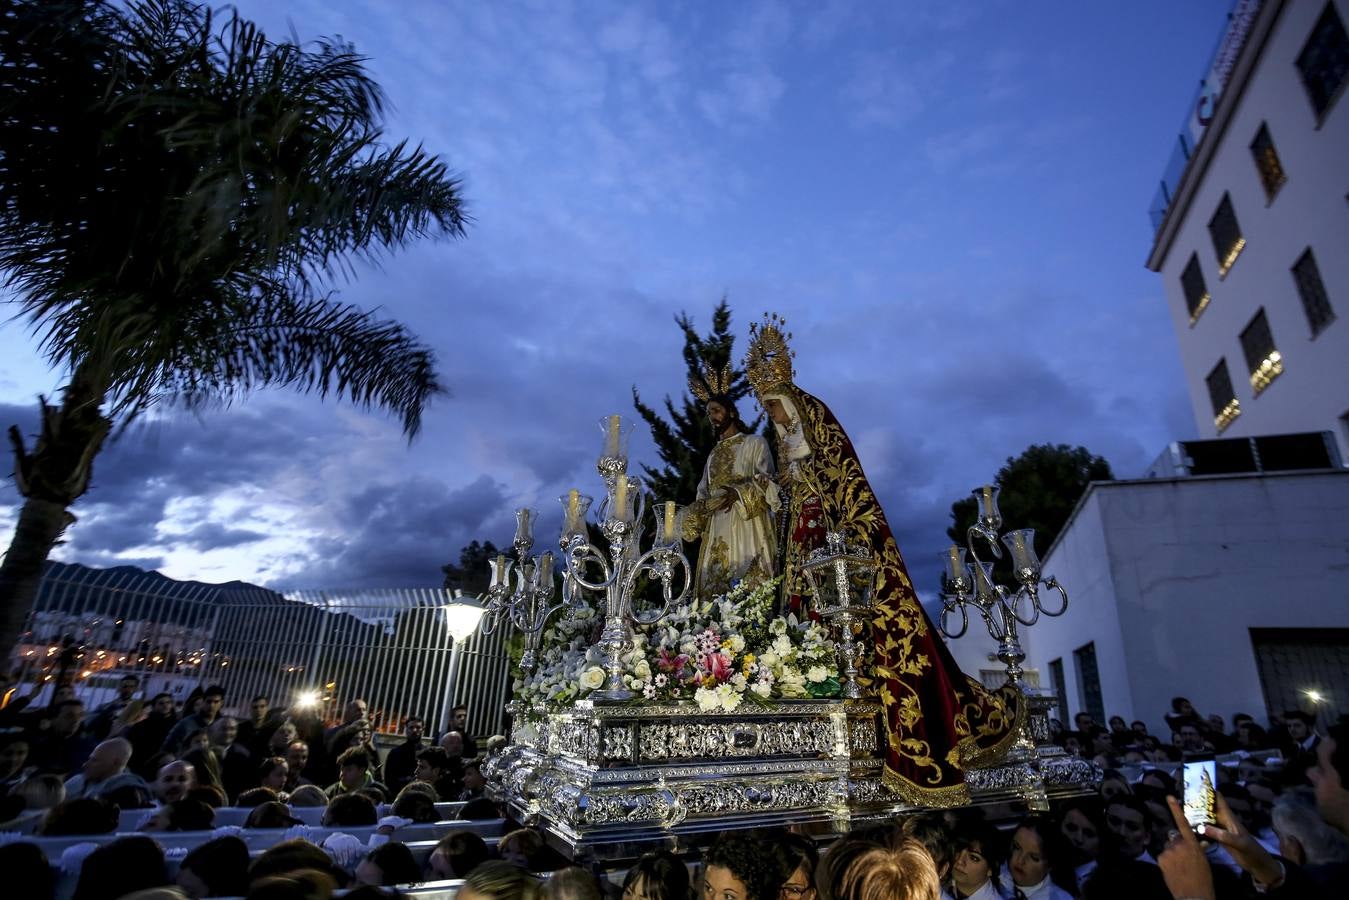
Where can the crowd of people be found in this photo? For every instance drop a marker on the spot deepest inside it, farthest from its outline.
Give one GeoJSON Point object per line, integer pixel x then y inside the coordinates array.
{"type": "Point", "coordinates": [1282, 814]}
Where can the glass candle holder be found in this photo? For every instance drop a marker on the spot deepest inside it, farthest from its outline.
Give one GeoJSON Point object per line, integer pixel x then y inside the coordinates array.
{"type": "Point", "coordinates": [1025, 562]}
{"type": "Point", "coordinates": [524, 525]}
{"type": "Point", "coordinates": [669, 521]}
{"type": "Point", "coordinates": [575, 509]}
{"type": "Point", "coordinates": [614, 451]}
{"type": "Point", "coordinates": [623, 499]}
{"type": "Point", "coordinates": [958, 577]}
{"type": "Point", "coordinates": [987, 498]}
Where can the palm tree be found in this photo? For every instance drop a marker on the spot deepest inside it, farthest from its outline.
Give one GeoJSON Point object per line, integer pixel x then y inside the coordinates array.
{"type": "Point", "coordinates": [177, 193]}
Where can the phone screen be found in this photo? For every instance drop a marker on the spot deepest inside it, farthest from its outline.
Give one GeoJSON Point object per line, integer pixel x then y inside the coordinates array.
{"type": "Point", "coordinates": [1200, 776]}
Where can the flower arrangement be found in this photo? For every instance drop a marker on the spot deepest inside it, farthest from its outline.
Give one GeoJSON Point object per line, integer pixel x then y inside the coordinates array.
{"type": "Point", "coordinates": [718, 653]}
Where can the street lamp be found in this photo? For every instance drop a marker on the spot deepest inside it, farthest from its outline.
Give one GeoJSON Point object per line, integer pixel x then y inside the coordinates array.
{"type": "Point", "coordinates": [462, 615]}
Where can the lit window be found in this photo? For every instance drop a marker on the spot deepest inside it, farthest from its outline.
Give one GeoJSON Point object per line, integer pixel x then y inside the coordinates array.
{"type": "Point", "coordinates": [1196, 292]}
{"type": "Point", "coordinates": [1226, 234]}
{"type": "Point", "coordinates": [1324, 60]}
{"type": "Point", "coordinates": [1312, 289]}
{"type": "Point", "coordinates": [1262, 359]}
{"type": "Point", "coordinates": [1220, 394]}
{"type": "Point", "coordinates": [1267, 162]}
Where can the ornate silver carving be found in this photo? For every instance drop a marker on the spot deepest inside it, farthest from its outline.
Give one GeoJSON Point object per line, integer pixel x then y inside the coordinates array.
{"type": "Point", "coordinates": [716, 740]}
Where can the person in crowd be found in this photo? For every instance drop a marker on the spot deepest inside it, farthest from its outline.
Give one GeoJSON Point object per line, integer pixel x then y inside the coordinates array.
{"type": "Point", "coordinates": [388, 864]}
{"type": "Point", "coordinates": [14, 766]}
{"type": "Point", "coordinates": [187, 814]}
{"type": "Point", "coordinates": [836, 862]}
{"type": "Point", "coordinates": [1126, 879]}
{"type": "Point", "coordinates": [474, 783]}
{"type": "Point", "coordinates": [353, 772]}
{"type": "Point", "coordinates": [798, 858]}
{"type": "Point", "coordinates": [273, 774]}
{"type": "Point", "coordinates": [1250, 736]}
{"type": "Point", "coordinates": [237, 764]}
{"type": "Point", "coordinates": [308, 795]}
{"type": "Point", "coordinates": [1307, 840]}
{"type": "Point", "coordinates": [297, 758]}
{"type": "Point", "coordinates": [459, 723]}
{"type": "Point", "coordinates": [148, 735]}
{"type": "Point", "coordinates": [1190, 738]}
{"type": "Point", "coordinates": [254, 797]}
{"type": "Point", "coordinates": [496, 743]}
{"type": "Point", "coordinates": [904, 871]}
{"type": "Point", "coordinates": [522, 847]}
{"type": "Point", "coordinates": [104, 770]}
{"type": "Point", "coordinates": [737, 868]}
{"type": "Point", "coordinates": [1139, 727]}
{"type": "Point", "coordinates": [298, 884]}
{"type": "Point", "coordinates": [571, 883]}
{"type": "Point", "coordinates": [80, 817]}
{"type": "Point", "coordinates": [1128, 822]}
{"type": "Point", "coordinates": [121, 867]}
{"type": "Point", "coordinates": [271, 814]}
{"type": "Point", "coordinates": [285, 734]}
{"type": "Point", "coordinates": [498, 880]}
{"type": "Point", "coordinates": [480, 810]}
{"type": "Point", "coordinates": [208, 709]}
{"type": "Point", "coordinates": [1113, 782]}
{"type": "Point", "coordinates": [452, 742]}
{"type": "Point", "coordinates": [352, 810]}
{"type": "Point", "coordinates": [1182, 711]}
{"type": "Point", "coordinates": [197, 740]}
{"type": "Point", "coordinates": [36, 795]}
{"type": "Point", "coordinates": [101, 722]}
{"type": "Point", "coordinates": [209, 794]}
{"type": "Point", "coordinates": [342, 736]}
{"type": "Point", "coordinates": [256, 731]}
{"type": "Point", "coordinates": [979, 849]}
{"type": "Point", "coordinates": [174, 781]}
{"type": "Point", "coordinates": [63, 747]}
{"type": "Point", "coordinates": [434, 767]}
{"type": "Point", "coordinates": [205, 768]}
{"type": "Point", "coordinates": [1085, 724]}
{"type": "Point", "coordinates": [460, 853]}
{"type": "Point", "coordinates": [217, 868]}
{"type": "Point", "coordinates": [306, 725]}
{"type": "Point", "coordinates": [417, 806]}
{"type": "Point", "coordinates": [401, 763]}
{"type": "Point", "coordinates": [930, 830]}
{"type": "Point", "coordinates": [289, 856]}
{"type": "Point", "coordinates": [1082, 824]}
{"type": "Point", "coordinates": [1039, 866]}
{"type": "Point", "coordinates": [657, 876]}
{"type": "Point", "coordinates": [24, 863]}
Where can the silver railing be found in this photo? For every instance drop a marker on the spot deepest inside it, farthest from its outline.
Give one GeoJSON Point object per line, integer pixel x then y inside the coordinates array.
{"type": "Point", "coordinates": [389, 647]}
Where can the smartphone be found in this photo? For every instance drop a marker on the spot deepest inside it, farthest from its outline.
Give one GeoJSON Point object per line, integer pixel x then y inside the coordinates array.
{"type": "Point", "coordinates": [1200, 778]}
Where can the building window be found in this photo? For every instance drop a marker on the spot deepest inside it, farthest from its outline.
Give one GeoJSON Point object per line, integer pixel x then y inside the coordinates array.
{"type": "Point", "coordinates": [1226, 234]}
{"type": "Point", "coordinates": [1060, 690]}
{"type": "Point", "coordinates": [1089, 682]}
{"type": "Point", "coordinates": [1196, 292]}
{"type": "Point", "coordinates": [1267, 162]}
{"type": "Point", "coordinates": [1220, 394]}
{"type": "Point", "coordinates": [1262, 360]}
{"type": "Point", "coordinates": [1315, 303]}
{"type": "Point", "coordinates": [1324, 61]}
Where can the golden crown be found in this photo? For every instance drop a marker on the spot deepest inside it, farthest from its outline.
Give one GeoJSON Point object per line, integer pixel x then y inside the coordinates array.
{"type": "Point", "coordinates": [768, 363]}
{"type": "Point", "coordinates": [710, 383]}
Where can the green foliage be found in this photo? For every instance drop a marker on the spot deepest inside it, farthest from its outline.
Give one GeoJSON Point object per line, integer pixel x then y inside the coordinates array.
{"type": "Point", "coordinates": [176, 192]}
{"type": "Point", "coordinates": [472, 575]}
{"type": "Point", "coordinates": [1038, 489]}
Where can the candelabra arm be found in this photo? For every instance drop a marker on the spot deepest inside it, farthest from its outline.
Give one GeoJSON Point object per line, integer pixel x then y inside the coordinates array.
{"type": "Point", "coordinates": [579, 553]}
{"type": "Point", "coordinates": [950, 606]}
{"type": "Point", "coordinates": [661, 561]}
{"type": "Point", "coordinates": [1052, 583]}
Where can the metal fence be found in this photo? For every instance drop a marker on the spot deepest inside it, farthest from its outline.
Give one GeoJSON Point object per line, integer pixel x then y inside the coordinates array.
{"type": "Point", "coordinates": [389, 647]}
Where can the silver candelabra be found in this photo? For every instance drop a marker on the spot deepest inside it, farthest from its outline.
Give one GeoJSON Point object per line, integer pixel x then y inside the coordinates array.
{"type": "Point", "coordinates": [528, 604]}
{"type": "Point", "coordinates": [843, 581]}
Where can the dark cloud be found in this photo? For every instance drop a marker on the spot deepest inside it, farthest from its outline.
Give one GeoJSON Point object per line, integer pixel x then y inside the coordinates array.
{"type": "Point", "coordinates": [212, 536]}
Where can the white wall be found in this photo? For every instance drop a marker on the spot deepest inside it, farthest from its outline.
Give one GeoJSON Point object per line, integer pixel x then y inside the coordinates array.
{"type": "Point", "coordinates": [1167, 577]}
{"type": "Point", "coordinates": [1309, 210]}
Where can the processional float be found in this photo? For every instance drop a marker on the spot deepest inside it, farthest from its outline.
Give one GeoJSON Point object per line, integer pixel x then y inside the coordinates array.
{"type": "Point", "coordinates": [643, 715]}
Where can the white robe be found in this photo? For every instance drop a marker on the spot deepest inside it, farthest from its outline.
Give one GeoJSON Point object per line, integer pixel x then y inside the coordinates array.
{"type": "Point", "coordinates": [739, 543]}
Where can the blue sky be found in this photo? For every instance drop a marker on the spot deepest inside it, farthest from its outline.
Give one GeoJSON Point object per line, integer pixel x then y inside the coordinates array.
{"type": "Point", "coordinates": [947, 200]}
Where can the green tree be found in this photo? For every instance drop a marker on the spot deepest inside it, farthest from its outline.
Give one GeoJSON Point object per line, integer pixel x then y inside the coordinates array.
{"type": "Point", "coordinates": [472, 575]}
{"type": "Point", "coordinates": [176, 194]}
{"type": "Point", "coordinates": [1037, 489]}
{"type": "Point", "coordinates": [684, 440]}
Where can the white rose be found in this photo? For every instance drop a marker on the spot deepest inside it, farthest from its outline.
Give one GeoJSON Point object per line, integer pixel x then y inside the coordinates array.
{"type": "Point", "coordinates": [817, 674]}
{"type": "Point", "coordinates": [707, 699]}
{"type": "Point", "coordinates": [592, 678]}
{"type": "Point", "coordinates": [782, 645]}
{"type": "Point", "coordinates": [737, 644]}
{"type": "Point", "coordinates": [642, 670]}
{"type": "Point", "coordinates": [769, 660]}
{"type": "Point", "coordinates": [762, 688]}
{"type": "Point", "coordinates": [730, 699]}
{"type": "Point", "coordinates": [738, 681]}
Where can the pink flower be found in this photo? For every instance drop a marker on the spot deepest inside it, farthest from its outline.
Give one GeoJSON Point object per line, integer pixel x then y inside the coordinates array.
{"type": "Point", "coordinates": [669, 663]}
{"type": "Point", "coordinates": [718, 665]}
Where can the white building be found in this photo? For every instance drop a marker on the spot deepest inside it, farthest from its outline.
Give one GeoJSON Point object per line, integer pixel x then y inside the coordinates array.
{"type": "Point", "coordinates": [1252, 226]}
{"type": "Point", "coordinates": [1229, 590]}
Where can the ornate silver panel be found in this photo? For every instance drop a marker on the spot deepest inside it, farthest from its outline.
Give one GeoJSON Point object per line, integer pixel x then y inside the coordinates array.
{"type": "Point", "coordinates": [716, 740]}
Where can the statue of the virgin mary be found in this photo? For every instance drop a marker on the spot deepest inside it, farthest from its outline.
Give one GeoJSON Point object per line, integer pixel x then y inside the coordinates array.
{"type": "Point", "coordinates": [939, 721]}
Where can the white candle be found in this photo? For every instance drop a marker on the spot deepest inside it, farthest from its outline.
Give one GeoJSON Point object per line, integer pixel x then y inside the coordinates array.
{"type": "Point", "coordinates": [621, 499]}
{"type": "Point", "coordinates": [988, 501]}
{"type": "Point", "coordinates": [573, 503]}
{"type": "Point", "coordinates": [669, 519]}
{"type": "Point", "coordinates": [956, 570]}
{"type": "Point", "coordinates": [611, 442]}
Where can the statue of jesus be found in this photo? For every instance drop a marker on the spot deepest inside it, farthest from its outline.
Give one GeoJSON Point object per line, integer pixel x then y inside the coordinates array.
{"type": "Point", "coordinates": [737, 501]}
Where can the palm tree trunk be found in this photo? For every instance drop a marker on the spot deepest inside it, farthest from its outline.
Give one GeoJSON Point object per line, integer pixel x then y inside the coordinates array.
{"type": "Point", "coordinates": [50, 478]}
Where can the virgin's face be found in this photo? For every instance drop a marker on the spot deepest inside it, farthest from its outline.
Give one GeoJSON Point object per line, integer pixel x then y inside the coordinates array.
{"type": "Point", "coordinates": [777, 412]}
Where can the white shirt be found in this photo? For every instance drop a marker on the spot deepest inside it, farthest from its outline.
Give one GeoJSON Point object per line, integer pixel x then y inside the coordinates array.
{"type": "Point", "coordinates": [987, 892]}
{"type": "Point", "coordinates": [1045, 890]}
